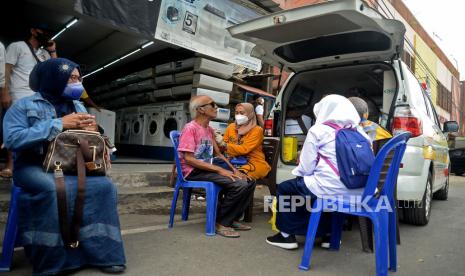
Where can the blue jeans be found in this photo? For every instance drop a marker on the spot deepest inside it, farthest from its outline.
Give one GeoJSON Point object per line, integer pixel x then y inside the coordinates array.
{"type": "Point", "coordinates": [297, 222]}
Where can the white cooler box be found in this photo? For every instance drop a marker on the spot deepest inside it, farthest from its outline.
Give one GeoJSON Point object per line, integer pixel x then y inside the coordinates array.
{"type": "Point", "coordinates": [184, 77]}
{"type": "Point", "coordinates": [148, 73]}
{"type": "Point", "coordinates": [222, 114]}
{"type": "Point", "coordinates": [106, 119]}
{"type": "Point", "coordinates": [213, 68]}
{"type": "Point", "coordinates": [164, 80]}
{"type": "Point", "coordinates": [163, 93]}
{"type": "Point", "coordinates": [183, 65]}
{"type": "Point", "coordinates": [204, 81]}
{"type": "Point", "coordinates": [164, 68]}
{"type": "Point", "coordinates": [182, 90]}
{"type": "Point", "coordinates": [220, 98]}
{"type": "Point", "coordinates": [221, 126]}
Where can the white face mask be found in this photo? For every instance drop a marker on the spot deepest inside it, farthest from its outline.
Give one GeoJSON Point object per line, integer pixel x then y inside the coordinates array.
{"type": "Point", "coordinates": [241, 119]}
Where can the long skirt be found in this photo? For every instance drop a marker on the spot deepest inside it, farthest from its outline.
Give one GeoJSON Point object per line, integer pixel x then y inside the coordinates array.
{"type": "Point", "coordinates": [100, 242]}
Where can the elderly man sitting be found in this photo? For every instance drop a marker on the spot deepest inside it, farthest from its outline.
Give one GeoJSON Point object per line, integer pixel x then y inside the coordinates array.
{"type": "Point", "coordinates": [197, 147]}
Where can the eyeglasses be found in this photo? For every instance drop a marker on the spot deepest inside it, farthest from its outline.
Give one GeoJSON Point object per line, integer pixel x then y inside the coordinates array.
{"type": "Point", "coordinates": [212, 104]}
{"type": "Point", "coordinates": [75, 78]}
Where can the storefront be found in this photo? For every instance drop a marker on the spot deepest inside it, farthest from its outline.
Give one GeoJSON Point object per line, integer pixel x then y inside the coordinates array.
{"type": "Point", "coordinates": [143, 60]}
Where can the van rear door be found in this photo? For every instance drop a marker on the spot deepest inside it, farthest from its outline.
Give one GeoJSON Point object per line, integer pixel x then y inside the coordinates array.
{"type": "Point", "coordinates": [336, 32]}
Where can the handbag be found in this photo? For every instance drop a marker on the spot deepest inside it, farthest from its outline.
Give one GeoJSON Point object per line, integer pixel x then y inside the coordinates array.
{"type": "Point", "coordinates": [63, 149]}
{"type": "Point", "coordinates": [75, 152]}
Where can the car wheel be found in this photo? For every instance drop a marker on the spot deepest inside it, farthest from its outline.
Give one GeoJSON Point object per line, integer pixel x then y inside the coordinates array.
{"type": "Point", "coordinates": [443, 193]}
{"type": "Point", "coordinates": [419, 213]}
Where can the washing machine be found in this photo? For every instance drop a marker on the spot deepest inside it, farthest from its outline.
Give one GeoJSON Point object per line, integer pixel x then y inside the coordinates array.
{"type": "Point", "coordinates": [125, 131]}
{"type": "Point", "coordinates": [119, 117]}
{"type": "Point", "coordinates": [176, 115]}
{"type": "Point", "coordinates": [154, 124]}
{"type": "Point", "coordinates": [138, 125]}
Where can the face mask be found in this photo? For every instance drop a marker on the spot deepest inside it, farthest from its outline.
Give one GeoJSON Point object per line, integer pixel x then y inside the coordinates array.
{"type": "Point", "coordinates": [42, 38]}
{"type": "Point", "coordinates": [73, 91]}
{"type": "Point", "coordinates": [241, 119]}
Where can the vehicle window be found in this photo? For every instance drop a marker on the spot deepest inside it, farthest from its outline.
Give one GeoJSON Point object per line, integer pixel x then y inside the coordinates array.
{"type": "Point", "coordinates": [434, 115]}
{"type": "Point", "coordinates": [431, 112]}
{"type": "Point", "coordinates": [415, 92]}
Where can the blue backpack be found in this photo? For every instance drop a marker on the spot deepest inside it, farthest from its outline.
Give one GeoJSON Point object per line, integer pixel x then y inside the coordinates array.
{"type": "Point", "coordinates": [354, 157]}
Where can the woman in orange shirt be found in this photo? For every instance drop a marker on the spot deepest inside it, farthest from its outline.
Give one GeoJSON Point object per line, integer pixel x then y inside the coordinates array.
{"type": "Point", "coordinates": [244, 138]}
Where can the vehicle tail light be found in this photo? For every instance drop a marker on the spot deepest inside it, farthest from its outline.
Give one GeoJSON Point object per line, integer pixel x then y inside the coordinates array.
{"type": "Point", "coordinates": [405, 120]}
{"type": "Point", "coordinates": [269, 127]}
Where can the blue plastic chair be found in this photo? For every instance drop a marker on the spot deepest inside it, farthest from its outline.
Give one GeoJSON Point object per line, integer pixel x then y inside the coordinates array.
{"type": "Point", "coordinates": [212, 190]}
{"type": "Point", "coordinates": [384, 221]}
{"type": "Point", "coordinates": [11, 230]}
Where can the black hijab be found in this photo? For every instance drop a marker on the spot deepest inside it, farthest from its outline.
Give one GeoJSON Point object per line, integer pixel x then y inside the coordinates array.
{"type": "Point", "coordinates": [49, 78]}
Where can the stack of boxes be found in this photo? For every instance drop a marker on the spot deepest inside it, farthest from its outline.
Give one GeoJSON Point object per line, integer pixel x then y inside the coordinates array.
{"type": "Point", "coordinates": [160, 87]}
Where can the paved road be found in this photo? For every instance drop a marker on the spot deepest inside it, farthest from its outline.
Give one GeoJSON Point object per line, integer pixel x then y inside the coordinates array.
{"type": "Point", "coordinates": [436, 249]}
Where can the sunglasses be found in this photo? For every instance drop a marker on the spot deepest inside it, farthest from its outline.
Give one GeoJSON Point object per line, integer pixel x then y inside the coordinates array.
{"type": "Point", "coordinates": [212, 104]}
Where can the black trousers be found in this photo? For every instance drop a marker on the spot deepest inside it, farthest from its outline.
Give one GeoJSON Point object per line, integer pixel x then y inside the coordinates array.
{"type": "Point", "coordinates": [234, 198]}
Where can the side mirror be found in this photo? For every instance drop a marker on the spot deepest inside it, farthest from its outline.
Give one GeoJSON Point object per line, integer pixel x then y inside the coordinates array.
{"type": "Point", "coordinates": [451, 126]}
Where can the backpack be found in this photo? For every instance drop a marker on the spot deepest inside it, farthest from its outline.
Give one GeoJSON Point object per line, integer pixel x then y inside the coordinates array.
{"type": "Point", "coordinates": [354, 157]}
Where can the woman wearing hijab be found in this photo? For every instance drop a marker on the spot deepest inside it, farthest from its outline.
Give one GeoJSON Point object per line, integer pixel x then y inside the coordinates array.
{"type": "Point", "coordinates": [244, 138]}
{"type": "Point", "coordinates": [315, 179]}
{"type": "Point", "coordinates": [29, 126]}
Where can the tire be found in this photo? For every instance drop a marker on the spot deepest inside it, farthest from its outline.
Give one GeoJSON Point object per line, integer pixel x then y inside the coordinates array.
{"type": "Point", "coordinates": [443, 193]}
{"type": "Point", "coordinates": [419, 214]}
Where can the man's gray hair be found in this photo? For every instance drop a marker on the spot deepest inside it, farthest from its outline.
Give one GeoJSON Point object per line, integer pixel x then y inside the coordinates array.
{"type": "Point", "coordinates": [194, 103]}
{"type": "Point", "coordinates": [360, 105]}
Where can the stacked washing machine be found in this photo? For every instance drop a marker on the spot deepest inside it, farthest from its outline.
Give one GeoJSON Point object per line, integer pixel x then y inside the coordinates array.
{"type": "Point", "coordinates": [197, 76]}
{"type": "Point", "coordinates": [129, 115]}
{"type": "Point", "coordinates": [151, 103]}
{"type": "Point", "coordinates": [176, 115]}
{"type": "Point", "coordinates": [154, 124]}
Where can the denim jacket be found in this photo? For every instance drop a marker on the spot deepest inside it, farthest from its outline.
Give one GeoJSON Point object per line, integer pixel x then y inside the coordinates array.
{"type": "Point", "coordinates": [31, 121]}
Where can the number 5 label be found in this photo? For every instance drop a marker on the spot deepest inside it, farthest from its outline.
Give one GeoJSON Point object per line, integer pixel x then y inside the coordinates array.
{"type": "Point", "coordinates": [190, 23]}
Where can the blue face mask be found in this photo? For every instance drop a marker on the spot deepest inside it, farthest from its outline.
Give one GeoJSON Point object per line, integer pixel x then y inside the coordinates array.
{"type": "Point", "coordinates": [73, 91]}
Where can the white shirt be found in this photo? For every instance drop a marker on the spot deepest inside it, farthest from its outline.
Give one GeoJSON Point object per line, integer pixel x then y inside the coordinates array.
{"type": "Point", "coordinates": [259, 109]}
{"type": "Point", "coordinates": [319, 178]}
{"type": "Point", "coordinates": [2, 65]}
{"type": "Point", "coordinates": [20, 56]}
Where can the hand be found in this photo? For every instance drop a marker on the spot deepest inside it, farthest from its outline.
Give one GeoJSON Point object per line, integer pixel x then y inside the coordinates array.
{"type": "Point", "coordinates": [5, 98]}
{"type": "Point", "coordinates": [240, 174]}
{"type": "Point", "coordinates": [79, 121]}
{"type": "Point", "coordinates": [52, 47]}
{"type": "Point", "coordinates": [229, 174]}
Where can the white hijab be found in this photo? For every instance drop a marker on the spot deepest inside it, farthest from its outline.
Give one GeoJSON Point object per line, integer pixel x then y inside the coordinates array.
{"type": "Point", "coordinates": [336, 109]}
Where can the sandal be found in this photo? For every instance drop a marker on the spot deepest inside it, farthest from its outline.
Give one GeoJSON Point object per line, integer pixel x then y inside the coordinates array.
{"type": "Point", "coordinates": [240, 227]}
{"type": "Point", "coordinates": [6, 173]}
{"type": "Point", "coordinates": [227, 232]}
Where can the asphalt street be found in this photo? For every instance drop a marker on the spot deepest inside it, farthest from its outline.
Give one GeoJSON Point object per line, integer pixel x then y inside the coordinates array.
{"type": "Point", "coordinates": [435, 249]}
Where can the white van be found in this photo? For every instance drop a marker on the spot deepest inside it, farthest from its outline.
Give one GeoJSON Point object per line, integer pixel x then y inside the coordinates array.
{"type": "Point", "coordinates": [346, 47]}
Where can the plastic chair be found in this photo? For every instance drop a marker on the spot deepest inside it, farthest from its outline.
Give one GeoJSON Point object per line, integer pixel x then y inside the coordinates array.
{"type": "Point", "coordinates": [384, 221]}
{"type": "Point", "coordinates": [11, 230]}
{"type": "Point", "coordinates": [212, 190]}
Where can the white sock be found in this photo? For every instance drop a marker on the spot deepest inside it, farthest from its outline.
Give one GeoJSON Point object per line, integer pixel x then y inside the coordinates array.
{"type": "Point", "coordinates": [285, 235]}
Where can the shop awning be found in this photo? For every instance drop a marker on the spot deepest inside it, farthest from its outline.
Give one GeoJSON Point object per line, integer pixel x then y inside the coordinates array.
{"type": "Point", "coordinates": [254, 90]}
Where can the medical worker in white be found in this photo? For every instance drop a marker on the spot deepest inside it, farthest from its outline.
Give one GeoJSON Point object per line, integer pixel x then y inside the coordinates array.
{"type": "Point", "coordinates": [314, 177]}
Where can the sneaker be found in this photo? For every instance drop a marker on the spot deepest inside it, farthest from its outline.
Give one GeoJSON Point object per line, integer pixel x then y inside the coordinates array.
{"type": "Point", "coordinates": [280, 241]}
{"type": "Point", "coordinates": [326, 243]}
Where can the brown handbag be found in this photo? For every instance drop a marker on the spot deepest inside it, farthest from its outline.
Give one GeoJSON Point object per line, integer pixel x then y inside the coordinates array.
{"type": "Point", "coordinates": [75, 152]}
{"type": "Point", "coordinates": [62, 152]}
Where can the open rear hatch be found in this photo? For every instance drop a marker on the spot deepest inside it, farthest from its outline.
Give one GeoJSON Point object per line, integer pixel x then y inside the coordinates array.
{"type": "Point", "coordinates": [336, 32]}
